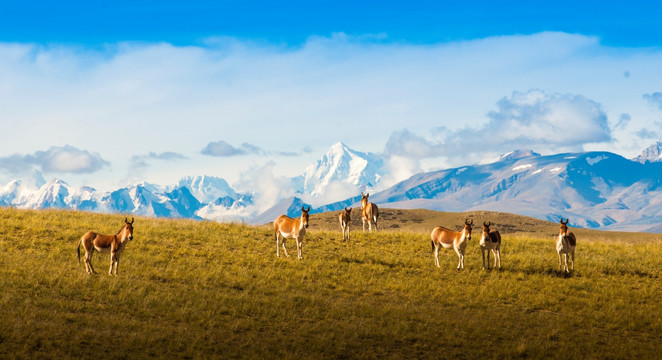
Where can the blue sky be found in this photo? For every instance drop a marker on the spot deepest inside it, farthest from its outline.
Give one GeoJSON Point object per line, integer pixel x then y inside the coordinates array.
{"type": "Point", "coordinates": [616, 23]}
{"type": "Point", "coordinates": [106, 93]}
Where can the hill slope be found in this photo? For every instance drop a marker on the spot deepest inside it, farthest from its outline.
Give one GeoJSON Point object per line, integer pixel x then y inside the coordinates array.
{"type": "Point", "coordinates": [198, 289]}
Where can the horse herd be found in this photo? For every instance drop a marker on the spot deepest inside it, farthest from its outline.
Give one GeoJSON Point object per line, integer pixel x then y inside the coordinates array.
{"type": "Point", "coordinates": [286, 227]}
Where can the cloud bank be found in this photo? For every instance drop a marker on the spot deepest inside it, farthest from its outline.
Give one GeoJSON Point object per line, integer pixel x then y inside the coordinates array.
{"type": "Point", "coordinates": [58, 159]}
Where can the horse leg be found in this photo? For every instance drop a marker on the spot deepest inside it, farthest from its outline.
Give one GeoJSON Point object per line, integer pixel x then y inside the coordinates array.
{"type": "Point", "coordinates": [565, 266]}
{"type": "Point", "coordinates": [482, 254]}
{"type": "Point", "coordinates": [112, 262]}
{"type": "Point", "coordinates": [277, 244]}
{"type": "Point", "coordinates": [300, 248]}
{"type": "Point", "coordinates": [117, 265]}
{"type": "Point", "coordinates": [560, 262]}
{"type": "Point", "coordinates": [459, 255]}
{"type": "Point", "coordinates": [285, 248]}
{"type": "Point", "coordinates": [363, 220]}
{"type": "Point", "coordinates": [436, 256]}
{"type": "Point", "coordinates": [348, 232]}
{"type": "Point", "coordinates": [573, 260]}
{"type": "Point", "coordinates": [497, 253]}
{"type": "Point", "coordinates": [88, 261]}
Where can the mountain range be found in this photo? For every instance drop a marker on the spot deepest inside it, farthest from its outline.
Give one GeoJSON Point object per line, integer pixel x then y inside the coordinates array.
{"type": "Point", "coordinates": [599, 190]}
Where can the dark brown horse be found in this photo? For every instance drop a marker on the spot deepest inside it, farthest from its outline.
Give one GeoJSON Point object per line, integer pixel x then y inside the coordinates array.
{"type": "Point", "coordinates": [490, 240]}
{"type": "Point", "coordinates": [565, 244]}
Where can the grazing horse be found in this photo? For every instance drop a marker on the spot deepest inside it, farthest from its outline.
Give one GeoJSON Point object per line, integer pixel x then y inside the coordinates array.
{"type": "Point", "coordinates": [106, 243]}
{"type": "Point", "coordinates": [369, 212]}
{"type": "Point", "coordinates": [565, 245]}
{"type": "Point", "coordinates": [490, 240]}
{"type": "Point", "coordinates": [289, 228]}
{"type": "Point", "coordinates": [447, 238]}
{"type": "Point", "coordinates": [344, 218]}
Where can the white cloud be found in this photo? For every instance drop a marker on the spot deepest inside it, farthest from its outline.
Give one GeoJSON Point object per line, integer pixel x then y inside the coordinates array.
{"type": "Point", "coordinates": [267, 187]}
{"type": "Point", "coordinates": [526, 120]}
{"type": "Point", "coordinates": [135, 98]}
{"type": "Point", "coordinates": [57, 159]}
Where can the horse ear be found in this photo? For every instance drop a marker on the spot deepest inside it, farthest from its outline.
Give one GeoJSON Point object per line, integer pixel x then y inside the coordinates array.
{"type": "Point", "coordinates": [308, 209]}
{"type": "Point", "coordinates": [471, 223]}
{"type": "Point", "coordinates": [303, 208]}
{"type": "Point", "coordinates": [131, 220]}
{"type": "Point", "coordinates": [126, 220]}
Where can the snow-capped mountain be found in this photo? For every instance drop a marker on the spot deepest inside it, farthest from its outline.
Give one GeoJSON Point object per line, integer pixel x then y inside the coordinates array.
{"type": "Point", "coordinates": [341, 168]}
{"type": "Point", "coordinates": [13, 192]}
{"type": "Point", "coordinates": [58, 194]}
{"type": "Point", "coordinates": [593, 189]}
{"type": "Point", "coordinates": [652, 153]}
{"type": "Point", "coordinates": [207, 189]}
{"type": "Point", "coordinates": [518, 154]}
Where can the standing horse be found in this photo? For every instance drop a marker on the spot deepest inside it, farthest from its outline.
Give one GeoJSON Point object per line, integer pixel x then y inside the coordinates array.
{"type": "Point", "coordinates": [345, 218]}
{"type": "Point", "coordinates": [565, 244]}
{"type": "Point", "coordinates": [106, 243]}
{"type": "Point", "coordinates": [369, 212]}
{"type": "Point", "coordinates": [289, 228]}
{"type": "Point", "coordinates": [447, 238]}
{"type": "Point", "coordinates": [490, 240]}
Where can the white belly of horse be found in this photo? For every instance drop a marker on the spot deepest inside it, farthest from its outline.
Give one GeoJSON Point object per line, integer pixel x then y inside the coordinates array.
{"type": "Point", "coordinates": [446, 246]}
{"type": "Point", "coordinates": [288, 235]}
{"type": "Point", "coordinates": [101, 249]}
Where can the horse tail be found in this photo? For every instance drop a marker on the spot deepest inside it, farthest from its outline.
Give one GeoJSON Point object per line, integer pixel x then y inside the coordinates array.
{"type": "Point", "coordinates": [432, 241]}
{"type": "Point", "coordinates": [78, 249]}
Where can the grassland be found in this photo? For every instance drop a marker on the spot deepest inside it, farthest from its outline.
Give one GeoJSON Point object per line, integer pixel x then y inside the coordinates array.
{"type": "Point", "coordinates": [191, 289]}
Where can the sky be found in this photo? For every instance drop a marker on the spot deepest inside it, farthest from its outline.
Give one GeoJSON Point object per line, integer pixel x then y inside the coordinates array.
{"type": "Point", "coordinates": [109, 93]}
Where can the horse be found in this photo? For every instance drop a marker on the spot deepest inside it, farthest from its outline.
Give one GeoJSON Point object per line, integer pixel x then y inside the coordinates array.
{"type": "Point", "coordinates": [289, 228]}
{"type": "Point", "coordinates": [490, 240]}
{"type": "Point", "coordinates": [114, 244]}
{"type": "Point", "coordinates": [345, 218]}
{"type": "Point", "coordinates": [447, 238]}
{"type": "Point", "coordinates": [369, 212]}
{"type": "Point", "coordinates": [565, 244]}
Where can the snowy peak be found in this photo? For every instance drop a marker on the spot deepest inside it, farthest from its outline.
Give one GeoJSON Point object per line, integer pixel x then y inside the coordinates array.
{"type": "Point", "coordinates": [54, 194]}
{"type": "Point", "coordinates": [207, 189]}
{"type": "Point", "coordinates": [518, 154]}
{"type": "Point", "coordinates": [342, 165]}
{"type": "Point", "coordinates": [652, 153]}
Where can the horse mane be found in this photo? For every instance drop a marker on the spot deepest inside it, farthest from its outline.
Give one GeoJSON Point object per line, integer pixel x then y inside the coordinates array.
{"type": "Point", "coordinates": [122, 228]}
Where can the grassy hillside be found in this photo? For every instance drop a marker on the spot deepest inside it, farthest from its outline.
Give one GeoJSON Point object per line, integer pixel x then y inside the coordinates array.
{"type": "Point", "coordinates": [192, 289]}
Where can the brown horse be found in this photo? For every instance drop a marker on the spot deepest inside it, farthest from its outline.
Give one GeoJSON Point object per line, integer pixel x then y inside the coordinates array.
{"type": "Point", "coordinates": [289, 228]}
{"type": "Point", "coordinates": [565, 244]}
{"type": "Point", "coordinates": [114, 244]}
{"type": "Point", "coordinates": [345, 218]}
{"type": "Point", "coordinates": [369, 212]}
{"type": "Point", "coordinates": [490, 240]}
{"type": "Point", "coordinates": [443, 237]}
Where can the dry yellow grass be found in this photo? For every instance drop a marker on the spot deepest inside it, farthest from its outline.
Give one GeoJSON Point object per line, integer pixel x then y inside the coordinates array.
{"type": "Point", "coordinates": [197, 289]}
